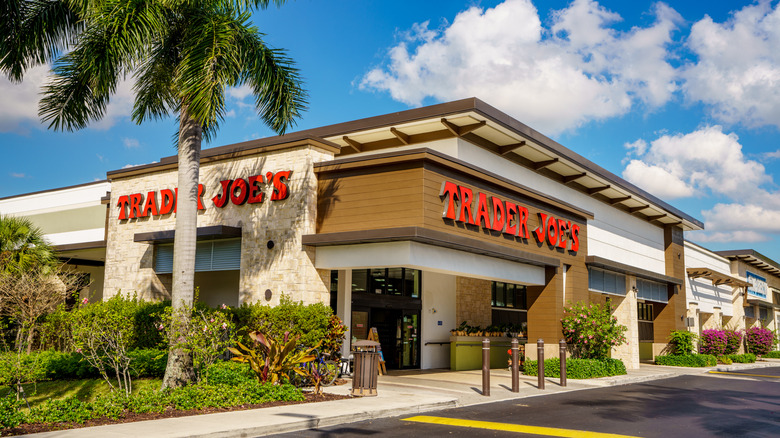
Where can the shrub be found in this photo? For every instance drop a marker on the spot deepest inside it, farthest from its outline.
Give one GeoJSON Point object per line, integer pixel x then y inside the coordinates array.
{"type": "Point", "coordinates": [760, 340]}
{"type": "Point", "coordinates": [146, 323]}
{"type": "Point", "coordinates": [681, 342]}
{"type": "Point", "coordinates": [725, 360]}
{"type": "Point", "coordinates": [713, 341]}
{"type": "Point", "coordinates": [773, 355]}
{"type": "Point", "coordinates": [742, 358]}
{"type": "Point", "coordinates": [229, 373]}
{"type": "Point", "coordinates": [687, 360]}
{"type": "Point", "coordinates": [273, 361]}
{"type": "Point", "coordinates": [148, 362]}
{"type": "Point", "coordinates": [733, 341]}
{"type": "Point", "coordinates": [313, 322]}
{"type": "Point", "coordinates": [577, 368]}
{"type": "Point", "coordinates": [10, 414]}
{"type": "Point", "coordinates": [591, 331]}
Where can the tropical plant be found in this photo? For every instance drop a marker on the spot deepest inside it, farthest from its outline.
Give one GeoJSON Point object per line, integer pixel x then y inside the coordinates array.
{"type": "Point", "coordinates": [591, 331]}
{"type": "Point", "coordinates": [182, 55]}
{"type": "Point", "coordinates": [273, 361]}
{"type": "Point", "coordinates": [22, 246]}
{"type": "Point", "coordinates": [681, 342]}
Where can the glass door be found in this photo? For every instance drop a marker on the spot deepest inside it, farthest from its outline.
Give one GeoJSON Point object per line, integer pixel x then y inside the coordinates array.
{"type": "Point", "coordinates": [410, 339]}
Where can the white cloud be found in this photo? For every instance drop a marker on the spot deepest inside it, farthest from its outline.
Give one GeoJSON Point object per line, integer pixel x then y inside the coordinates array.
{"type": "Point", "coordinates": [553, 79]}
{"type": "Point", "coordinates": [131, 143]}
{"type": "Point", "coordinates": [17, 175]}
{"type": "Point", "coordinates": [19, 111]}
{"type": "Point", "coordinates": [771, 155]}
{"type": "Point", "coordinates": [710, 163]}
{"type": "Point", "coordinates": [737, 73]}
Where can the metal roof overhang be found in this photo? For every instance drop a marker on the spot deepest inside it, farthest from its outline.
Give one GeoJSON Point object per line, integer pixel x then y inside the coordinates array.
{"type": "Point", "coordinates": [204, 233]}
{"type": "Point", "coordinates": [600, 262]}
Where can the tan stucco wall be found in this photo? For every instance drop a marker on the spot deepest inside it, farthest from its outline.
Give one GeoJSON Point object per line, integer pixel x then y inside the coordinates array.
{"type": "Point", "coordinates": [472, 301]}
{"type": "Point", "coordinates": [287, 268]}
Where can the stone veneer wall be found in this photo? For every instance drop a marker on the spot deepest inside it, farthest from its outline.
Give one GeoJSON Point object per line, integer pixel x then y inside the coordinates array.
{"type": "Point", "coordinates": [287, 268]}
{"type": "Point", "coordinates": [472, 301]}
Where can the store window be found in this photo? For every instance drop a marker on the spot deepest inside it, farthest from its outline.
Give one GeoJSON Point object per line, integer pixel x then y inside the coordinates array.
{"type": "Point", "coordinates": [763, 313]}
{"type": "Point", "coordinates": [607, 282]}
{"type": "Point", "coordinates": [387, 281]}
{"type": "Point", "coordinates": [651, 291]}
{"type": "Point", "coordinates": [213, 255]}
{"type": "Point", "coordinates": [334, 289]}
{"type": "Point", "coordinates": [750, 312]}
{"type": "Point", "coordinates": [508, 302]}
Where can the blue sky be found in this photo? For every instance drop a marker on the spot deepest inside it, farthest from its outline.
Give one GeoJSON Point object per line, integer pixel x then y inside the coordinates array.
{"type": "Point", "coordinates": [681, 98]}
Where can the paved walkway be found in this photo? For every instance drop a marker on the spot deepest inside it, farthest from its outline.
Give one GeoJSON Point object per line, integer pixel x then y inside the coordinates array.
{"type": "Point", "coordinates": [400, 393]}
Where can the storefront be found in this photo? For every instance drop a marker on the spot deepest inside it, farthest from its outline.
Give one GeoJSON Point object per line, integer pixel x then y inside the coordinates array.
{"type": "Point", "coordinates": [410, 224]}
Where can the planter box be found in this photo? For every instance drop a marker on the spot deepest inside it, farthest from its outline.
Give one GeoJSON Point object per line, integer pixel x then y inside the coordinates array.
{"type": "Point", "coordinates": [466, 352]}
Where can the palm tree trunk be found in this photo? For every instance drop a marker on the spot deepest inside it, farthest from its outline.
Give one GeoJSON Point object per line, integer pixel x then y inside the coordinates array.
{"type": "Point", "coordinates": [180, 370]}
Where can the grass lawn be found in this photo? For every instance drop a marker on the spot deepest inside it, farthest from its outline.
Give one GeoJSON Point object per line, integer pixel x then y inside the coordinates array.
{"type": "Point", "coordinates": [84, 389]}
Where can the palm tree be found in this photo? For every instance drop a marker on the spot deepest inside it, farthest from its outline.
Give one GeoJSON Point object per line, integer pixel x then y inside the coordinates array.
{"type": "Point", "coordinates": [182, 54]}
{"type": "Point", "coordinates": [22, 247]}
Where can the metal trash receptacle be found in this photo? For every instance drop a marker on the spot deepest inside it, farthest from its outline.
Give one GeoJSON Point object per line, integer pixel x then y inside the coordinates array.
{"type": "Point", "coordinates": [365, 369]}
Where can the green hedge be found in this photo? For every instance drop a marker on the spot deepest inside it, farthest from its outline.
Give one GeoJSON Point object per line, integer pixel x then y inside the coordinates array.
{"type": "Point", "coordinates": [56, 365]}
{"type": "Point", "coordinates": [687, 360]}
{"type": "Point", "coordinates": [114, 405]}
{"type": "Point", "coordinates": [578, 368]}
{"type": "Point", "coordinates": [742, 358]}
{"type": "Point", "coordinates": [229, 373]}
{"type": "Point", "coordinates": [772, 355]}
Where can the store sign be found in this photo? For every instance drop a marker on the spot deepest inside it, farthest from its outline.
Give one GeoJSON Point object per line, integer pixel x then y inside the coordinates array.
{"type": "Point", "coordinates": [759, 287]}
{"type": "Point", "coordinates": [237, 191]}
{"type": "Point", "coordinates": [495, 214]}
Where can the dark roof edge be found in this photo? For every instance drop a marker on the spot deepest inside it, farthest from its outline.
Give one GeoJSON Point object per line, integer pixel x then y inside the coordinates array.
{"type": "Point", "coordinates": [747, 252]}
{"type": "Point", "coordinates": [75, 186]}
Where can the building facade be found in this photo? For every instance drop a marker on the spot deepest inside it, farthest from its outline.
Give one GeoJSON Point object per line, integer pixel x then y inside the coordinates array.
{"type": "Point", "coordinates": [412, 223]}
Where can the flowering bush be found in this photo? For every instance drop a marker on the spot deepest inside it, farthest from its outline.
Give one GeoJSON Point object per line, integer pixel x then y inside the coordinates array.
{"type": "Point", "coordinates": [733, 341]}
{"type": "Point", "coordinates": [591, 331]}
{"type": "Point", "coordinates": [760, 340]}
{"type": "Point", "coordinates": [713, 341]}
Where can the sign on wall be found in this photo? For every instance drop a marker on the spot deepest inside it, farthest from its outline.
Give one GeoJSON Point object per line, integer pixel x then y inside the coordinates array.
{"type": "Point", "coordinates": [759, 287]}
{"type": "Point", "coordinates": [238, 191]}
{"type": "Point", "coordinates": [462, 205]}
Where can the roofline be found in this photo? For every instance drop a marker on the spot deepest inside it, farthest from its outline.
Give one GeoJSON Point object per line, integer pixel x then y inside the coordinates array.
{"type": "Point", "coordinates": [749, 253]}
{"type": "Point", "coordinates": [75, 186]}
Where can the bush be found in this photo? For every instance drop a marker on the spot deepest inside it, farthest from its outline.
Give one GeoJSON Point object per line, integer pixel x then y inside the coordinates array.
{"type": "Point", "coordinates": [10, 414]}
{"type": "Point", "coordinates": [148, 362]}
{"type": "Point", "coordinates": [229, 373]}
{"type": "Point", "coordinates": [760, 340]}
{"type": "Point", "coordinates": [687, 360]}
{"type": "Point", "coordinates": [681, 342]}
{"type": "Point", "coordinates": [313, 322]}
{"type": "Point", "coordinates": [578, 368]}
{"type": "Point", "coordinates": [772, 355]}
{"type": "Point", "coordinates": [733, 341]}
{"type": "Point", "coordinates": [742, 358]}
{"type": "Point", "coordinates": [145, 325]}
{"type": "Point", "coordinates": [713, 341]}
{"type": "Point", "coordinates": [725, 360]}
{"type": "Point", "coordinates": [591, 331]}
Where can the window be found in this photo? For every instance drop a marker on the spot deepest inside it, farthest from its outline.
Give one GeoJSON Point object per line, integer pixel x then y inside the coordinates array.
{"type": "Point", "coordinates": [652, 291]}
{"type": "Point", "coordinates": [750, 312]}
{"type": "Point", "coordinates": [387, 281]}
{"type": "Point", "coordinates": [645, 312]}
{"type": "Point", "coordinates": [763, 313]}
{"type": "Point", "coordinates": [511, 296]}
{"type": "Point", "coordinates": [213, 255]}
{"type": "Point", "coordinates": [334, 289]}
{"type": "Point", "coordinates": [606, 282]}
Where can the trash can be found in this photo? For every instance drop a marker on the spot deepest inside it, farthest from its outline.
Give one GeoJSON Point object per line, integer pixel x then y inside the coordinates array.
{"type": "Point", "coordinates": [366, 368]}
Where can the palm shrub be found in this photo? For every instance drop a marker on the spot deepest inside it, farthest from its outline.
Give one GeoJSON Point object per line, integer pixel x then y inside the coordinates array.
{"type": "Point", "coordinates": [273, 361]}
{"type": "Point", "coordinates": [591, 331]}
{"type": "Point", "coordinates": [182, 55]}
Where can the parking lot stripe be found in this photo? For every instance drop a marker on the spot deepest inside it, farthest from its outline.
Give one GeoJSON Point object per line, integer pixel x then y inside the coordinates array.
{"type": "Point", "coordinates": [744, 374]}
{"type": "Point", "coordinates": [507, 427]}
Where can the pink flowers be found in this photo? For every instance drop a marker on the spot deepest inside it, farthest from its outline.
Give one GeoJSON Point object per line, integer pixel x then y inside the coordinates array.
{"type": "Point", "coordinates": [85, 300]}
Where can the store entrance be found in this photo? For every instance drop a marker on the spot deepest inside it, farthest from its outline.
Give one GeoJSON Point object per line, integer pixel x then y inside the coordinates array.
{"type": "Point", "coordinates": [398, 331]}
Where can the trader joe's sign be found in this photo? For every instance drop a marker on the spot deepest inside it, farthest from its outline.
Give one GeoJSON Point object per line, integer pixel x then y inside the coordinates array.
{"type": "Point", "coordinates": [463, 205]}
{"type": "Point", "coordinates": [239, 191]}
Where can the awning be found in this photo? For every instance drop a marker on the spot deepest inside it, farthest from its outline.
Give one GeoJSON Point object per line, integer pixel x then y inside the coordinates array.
{"type": "Point", "coordinates": [600, 262]}
{"type": "Point", "coordinates": [204, 233]}
{"type": "Point", "coordinates": [716, 277]}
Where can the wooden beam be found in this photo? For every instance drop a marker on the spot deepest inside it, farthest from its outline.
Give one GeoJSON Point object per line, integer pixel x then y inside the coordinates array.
{"type": "Point", "coordinates": [358, 147]}
{"type": "Point", "coordinates": [572, 178]}
{"type": "Point", "coordinates": [539, 165]}
{"type": "Point", "coordinates": [614, 201]}
{"type": "Point", "coordinates": [594, 190]}
{"type": "Point", "coordinates": [656, 217]}
{"type": "Point", "coordinates": [461, 130]}
{"type": "Point", "coordinates": [635, 209]}
{"type": "Point", "coordinates": [400, 135]}
{"type": "Point", "coordinates": [503, 150]}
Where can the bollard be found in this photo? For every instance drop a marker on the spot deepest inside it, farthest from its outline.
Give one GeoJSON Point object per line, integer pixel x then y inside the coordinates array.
{"type": "Point", "coordinates": [486, 367]}
{"type": "Point", "coordinates": [515, 366]}
{"type": "Point", "coordinates": [540, 362]}
{"type": "Point", "coordinates": [562, 353]}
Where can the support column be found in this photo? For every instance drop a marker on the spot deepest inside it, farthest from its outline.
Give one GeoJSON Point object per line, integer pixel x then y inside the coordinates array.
{"type": "Point", "coordinates": [625, 310]}
{"type": "Point", "coordinates": [344, 307]}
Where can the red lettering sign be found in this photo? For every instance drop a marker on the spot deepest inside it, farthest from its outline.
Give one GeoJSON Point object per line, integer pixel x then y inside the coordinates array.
{"type": "Point", "coordinates": [505, 217]}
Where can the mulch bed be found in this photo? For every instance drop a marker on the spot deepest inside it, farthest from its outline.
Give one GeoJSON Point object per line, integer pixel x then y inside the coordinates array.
{"type": "Point", "coordinates": [129, 417]}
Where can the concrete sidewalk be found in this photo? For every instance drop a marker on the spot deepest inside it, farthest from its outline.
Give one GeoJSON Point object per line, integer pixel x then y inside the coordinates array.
{"type": "Point", "coordinates": [400, 393]}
